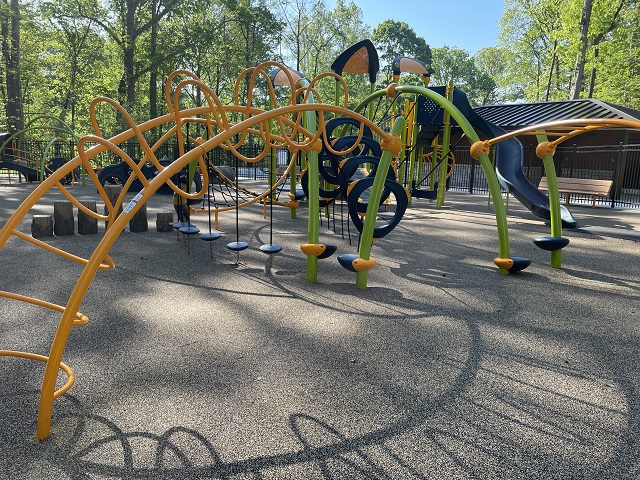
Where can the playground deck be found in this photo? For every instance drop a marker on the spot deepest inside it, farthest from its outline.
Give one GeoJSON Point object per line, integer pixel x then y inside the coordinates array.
{"type": "Point", "coordinates": [234, 367]}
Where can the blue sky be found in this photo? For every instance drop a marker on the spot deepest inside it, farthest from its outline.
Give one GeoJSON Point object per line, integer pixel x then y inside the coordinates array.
{"type": "Point", "coordinates": [467, 24]}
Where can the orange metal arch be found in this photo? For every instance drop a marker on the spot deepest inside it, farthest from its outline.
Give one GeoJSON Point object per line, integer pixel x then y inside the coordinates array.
{"type": "Point", "coordinates": [293, 136]}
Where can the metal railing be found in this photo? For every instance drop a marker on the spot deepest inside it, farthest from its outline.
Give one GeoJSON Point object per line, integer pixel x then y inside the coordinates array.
{"type": "Point", "coordinates": [620, 163]}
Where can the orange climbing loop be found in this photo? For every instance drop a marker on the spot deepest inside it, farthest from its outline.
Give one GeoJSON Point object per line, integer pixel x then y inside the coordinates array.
{"type": "Point", "coordinates": [228, 127]}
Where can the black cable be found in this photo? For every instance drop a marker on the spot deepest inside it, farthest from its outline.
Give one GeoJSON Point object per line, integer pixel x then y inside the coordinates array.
{"type": "Point", "coordinates": [442, 157]}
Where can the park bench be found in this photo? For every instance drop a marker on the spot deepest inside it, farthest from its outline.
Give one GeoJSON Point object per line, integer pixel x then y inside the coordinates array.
{"type": "Point", "coordinates": [281, 170]}
{"type": "Point", "coordinates": [582, 186]}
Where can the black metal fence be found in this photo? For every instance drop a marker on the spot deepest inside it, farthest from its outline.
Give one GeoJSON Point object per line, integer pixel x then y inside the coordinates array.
{"type": "Point", "coordinates": [33, 151]}
{"type": "Point", "coordinates": [620, 163]}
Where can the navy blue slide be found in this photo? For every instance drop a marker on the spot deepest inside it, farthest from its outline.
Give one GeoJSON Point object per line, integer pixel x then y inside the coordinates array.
{"type": "Point", "coordinates": [30, 174]}
{"type": "Point", "coordinates": [509, 157]}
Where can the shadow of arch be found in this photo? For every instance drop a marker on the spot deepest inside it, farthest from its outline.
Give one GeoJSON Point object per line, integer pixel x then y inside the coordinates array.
{"type": "Point", "coordinates": [321, 443]}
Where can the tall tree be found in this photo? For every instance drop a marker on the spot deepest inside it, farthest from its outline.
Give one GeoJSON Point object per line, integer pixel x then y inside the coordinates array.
{"type": "Point", "coordinates": [583, 40]}
{"type": "Point", "coordinates": [456, 65]}
{"type": "Point", "coordinates": [68, 47]}
{"type": "Point", "coordinates": [10, 28]}
{"type": "Point", "coordinates": [314, 35]}
{"type": "Point", "coordinates": [618, 62]}
{"type": "Point", "coordinates": [605, 21]}
{"type": "Point", "coordinates": [126, 22]}
{"type": "Point", "coordinates": [297, 15]}
{"type": "Point", "coordinates": [491, 61]}
{"type": "Point", "coordinates": [534, 45]}
{"type": "Point", "coordinates": [393, 38]}
{"type": "Point", "coordinates": [548, 56]}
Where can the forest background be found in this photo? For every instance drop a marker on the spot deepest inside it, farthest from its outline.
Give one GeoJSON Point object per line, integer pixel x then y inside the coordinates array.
{"type": "Point", "coordinates": [57, 56]}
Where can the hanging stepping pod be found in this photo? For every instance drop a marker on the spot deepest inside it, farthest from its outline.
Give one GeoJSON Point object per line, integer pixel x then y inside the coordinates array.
{"type": "Point", "coordinates": [211, 235]}
{"type": "Point", "coordinates": [353, 263]}
{"type": "Point", "coordinates": [237, 246]}
{"type": "Point", "coordinates": [208, 237]}
{"type": "Point", "coordinates": [550, 243]}
{"type": "Point", "coordinates": [320, 250]}
{"type": "Point", "coordinates": [189, 229]}
{"type": "Point", "coordinates": [513, 264]}
{"type": "Point", "coordinates": [270, 248]}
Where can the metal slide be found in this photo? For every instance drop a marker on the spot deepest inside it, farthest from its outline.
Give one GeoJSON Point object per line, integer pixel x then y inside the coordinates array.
{"type": "Point", "coordinates": [509, 157]}
{"type": "Point", "coordinates": [30, 174]}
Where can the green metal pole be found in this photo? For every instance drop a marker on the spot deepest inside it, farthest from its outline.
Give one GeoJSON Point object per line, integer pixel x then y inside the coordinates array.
{"type": "Point", "coordinates": [485, 163]}
{"type": "Point", "coordinates": [420, 168]}
{"type": "Point", "coordinates": [434, 162]}
{"type": "Point", "coordinates": [366, 239]}
{"type": "Point", "coordinates": [313, 199]}
{"type": "Point", "coordinates": [412, 155]}
{"type": "Point", "coordinates": [292, 177]}
{"type": "Point", "coordinates": [372, 88]}
{"type": "Point", "coordinates": [446, 145]}
{"type": "Point", "coordinates": [554, 202]}
{"type": "Point", "coordinates": [293, 187]}
{"type": "Point", "coordinates": [405, 165]}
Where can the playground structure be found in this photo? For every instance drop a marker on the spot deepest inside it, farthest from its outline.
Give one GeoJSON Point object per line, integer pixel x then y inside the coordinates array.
{"type": "Point", "coordinates": [36, 168]}
{"type": "Point", "coordinates": [300, 127]}
{"type": "Point", "coordinates": [314, 134]}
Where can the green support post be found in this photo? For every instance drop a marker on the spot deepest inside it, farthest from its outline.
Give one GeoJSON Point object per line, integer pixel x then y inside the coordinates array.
{"type": "Point", "coordinates": [293, 187]}
{"type": "Point", "coordinates": [412, 154]}
{"type": "Point", "coordinates": [273, 163]}
{"type": "Point", "coordinates": [485, 163]}
{"type": "Point", "coordinates": [406, 170]}
{"type": "Point", "coordinates": [446, 145]}
{"type": "Point", "coordinates": [313, 199]}
{"type": "Point", "coordinates": [554, 202]}
{"type": "Point", "coordinates": [366, 239]}
{"type": "Point", "coordinates": [402, 169]}
{"type": "Point", "coordinates": [420, 167]}
{"type": "Point", "coordinates": [434, 162]}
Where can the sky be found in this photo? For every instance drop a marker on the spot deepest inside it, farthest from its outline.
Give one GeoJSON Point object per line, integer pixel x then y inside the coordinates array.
{"type": "Point", "coordinates": [466, 24]}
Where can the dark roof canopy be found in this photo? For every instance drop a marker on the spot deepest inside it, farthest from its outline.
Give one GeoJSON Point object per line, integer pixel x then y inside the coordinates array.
{"type": "Point", "coordinates": [520, 115]}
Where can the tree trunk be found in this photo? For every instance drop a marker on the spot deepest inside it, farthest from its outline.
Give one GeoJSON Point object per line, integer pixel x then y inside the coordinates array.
{"type": "Point", "coordinates": [553, 64]}
{"type": "Point", "coordinates": [129, 57]}
{"type": "Point", "coordinates": [153, 74]}
{"type": "Point", "coordinates": [578, 74]}
{"type": "Point", "coordinates": [11, 49]}
{"type": "Point", "coordinates": [592, 82]}
{"type": "Point", "coordinates": [87, 224]}
{"type": "Point", "coordinates": [63, 221]}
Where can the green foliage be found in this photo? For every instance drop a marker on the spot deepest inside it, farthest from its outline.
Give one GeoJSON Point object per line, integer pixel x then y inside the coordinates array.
{"type": "Point", "coordinates": [455, 65]}
{"type": "Point", "coordinates": [540, 41]}
{"type": "Point", "coordinates": [618, 62]}
{"type": "Point", "coordinates": [75, 66]}
{"type": "Point", "coordinates": [393, 38]}
{"type": "Point", "coordinates": [74, 50]}
{"type": "Point", "coordinates": [530, 34]}
{"type": "Point", "coordinates": [491, 62]}
{"type": "Point", "coordinates": [314, 36]}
